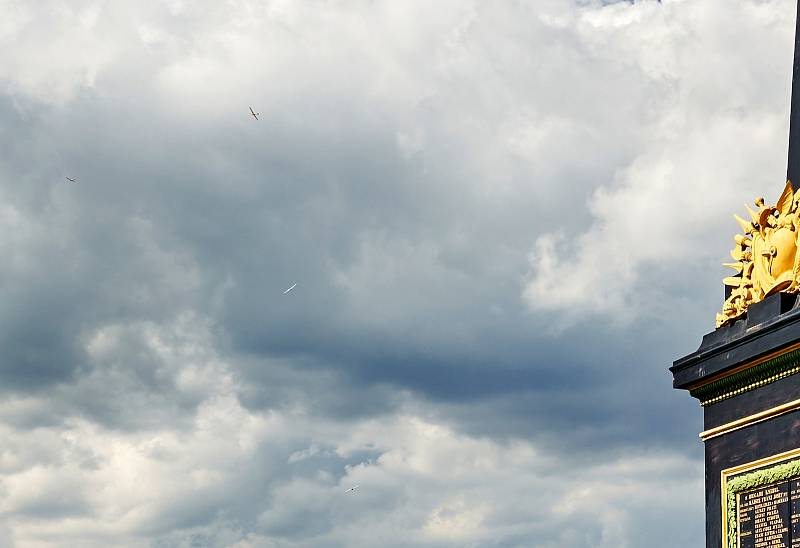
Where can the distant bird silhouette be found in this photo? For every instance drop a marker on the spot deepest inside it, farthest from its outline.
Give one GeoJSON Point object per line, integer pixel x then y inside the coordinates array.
{"type": "Point", "coordinates": [255, 114]}
{"type": "Point", "coordinates": [70, 179]}
{"type": "Point", "coordinates": [285, 292]}
{"type": "Point", "coordinates": [352, 489]}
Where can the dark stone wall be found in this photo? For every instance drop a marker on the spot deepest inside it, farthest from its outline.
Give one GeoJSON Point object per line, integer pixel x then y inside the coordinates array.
{"type": "Point", "coordinates": [772, 327]}
{"type": "Point", "coordinates": [750, 403]}
{"type": "Point", "coordinates": [748, 444]}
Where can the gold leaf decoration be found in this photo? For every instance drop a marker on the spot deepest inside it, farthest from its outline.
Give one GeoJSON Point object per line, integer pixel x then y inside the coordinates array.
{"type": "Point", "coordinates": [744, 224]}
{"type": "Point", "coordinates": [766, 255]}
{"type": "Point", "coordinates": [753, 214]}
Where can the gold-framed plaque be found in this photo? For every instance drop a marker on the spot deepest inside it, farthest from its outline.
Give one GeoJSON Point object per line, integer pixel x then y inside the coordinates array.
{"type": "Point", "coordinates": [761, 503]}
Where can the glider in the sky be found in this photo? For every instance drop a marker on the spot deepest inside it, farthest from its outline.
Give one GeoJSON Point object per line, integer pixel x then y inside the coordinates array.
{"type": "Point", "coordinates": [293, 286]}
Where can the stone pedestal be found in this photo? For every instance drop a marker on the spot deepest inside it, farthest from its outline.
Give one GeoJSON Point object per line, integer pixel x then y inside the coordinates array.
{"type": "Point", "coordinates": [747, 378]}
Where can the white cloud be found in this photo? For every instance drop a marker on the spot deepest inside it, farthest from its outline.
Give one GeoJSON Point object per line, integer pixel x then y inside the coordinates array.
{"type": "Point", "coordinates": [704, 144]}
{"type": "Point", "coordinates": [94, 486]}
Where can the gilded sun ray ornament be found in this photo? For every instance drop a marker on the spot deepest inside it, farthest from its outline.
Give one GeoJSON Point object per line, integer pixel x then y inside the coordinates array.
{"type": "Point", "coordinates": [766, 257]}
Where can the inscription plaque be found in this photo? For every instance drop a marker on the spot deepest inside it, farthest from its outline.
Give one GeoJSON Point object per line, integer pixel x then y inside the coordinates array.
{"type": "Point", "coordinates": [795, 513]}
{"type": "Point", "coordinates": [769, 516]}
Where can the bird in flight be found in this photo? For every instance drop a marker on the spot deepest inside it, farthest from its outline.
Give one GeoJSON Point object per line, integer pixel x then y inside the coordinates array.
{"type": "Point", "coordinates": [253, 113]}
{"type": "Point", "coordinates": [352, 489]}
{"type": "Point", "coordinates": [71, 180]}
{"type": "Point", "coordinates": [293, 286]}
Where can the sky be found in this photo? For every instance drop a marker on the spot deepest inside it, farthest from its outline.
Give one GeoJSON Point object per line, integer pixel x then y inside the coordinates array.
{"type": "Point", "coordinates": [505, 220]}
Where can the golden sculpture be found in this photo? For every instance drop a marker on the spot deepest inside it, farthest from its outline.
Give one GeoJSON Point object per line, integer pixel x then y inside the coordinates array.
{"type": "Point", "coordinates": [766, 255]}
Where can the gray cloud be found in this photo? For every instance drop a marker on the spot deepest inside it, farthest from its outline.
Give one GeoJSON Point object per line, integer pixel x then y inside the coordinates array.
{"type": "Point", "coordinates": [503, 221]}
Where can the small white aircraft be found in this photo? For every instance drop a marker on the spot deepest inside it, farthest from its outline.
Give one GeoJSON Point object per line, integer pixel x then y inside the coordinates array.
{"type": "Point", "coordinates": [255, 114]}
{"type": "Point", "coordinates": [352, 489]}
{"type": "Point", "coordinates": [70, 179]}
{"type": "Point", "coordinates": [295, 285]}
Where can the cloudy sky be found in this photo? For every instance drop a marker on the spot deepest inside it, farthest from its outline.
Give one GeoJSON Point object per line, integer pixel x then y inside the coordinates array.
{"type": "Point", "coordinates": [505, 220]}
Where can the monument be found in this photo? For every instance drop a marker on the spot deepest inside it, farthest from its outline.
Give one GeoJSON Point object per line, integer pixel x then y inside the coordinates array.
{"type": "Point", "coordinates": [746, 373]}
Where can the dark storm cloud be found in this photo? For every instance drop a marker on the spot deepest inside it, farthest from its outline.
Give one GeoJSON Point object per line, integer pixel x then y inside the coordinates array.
{"type": "Point", "coordinates": [259, 210]}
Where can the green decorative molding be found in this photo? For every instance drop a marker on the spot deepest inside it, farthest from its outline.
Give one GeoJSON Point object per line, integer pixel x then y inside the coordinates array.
{"type": "Point", "coordinates": [774, 474]}
{"type": "Point", "coordinates": [748, 379]}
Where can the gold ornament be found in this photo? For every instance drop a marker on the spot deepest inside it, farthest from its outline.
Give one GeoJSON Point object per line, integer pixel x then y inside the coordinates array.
{"type": "Point", "coordinates": [766, 257]}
